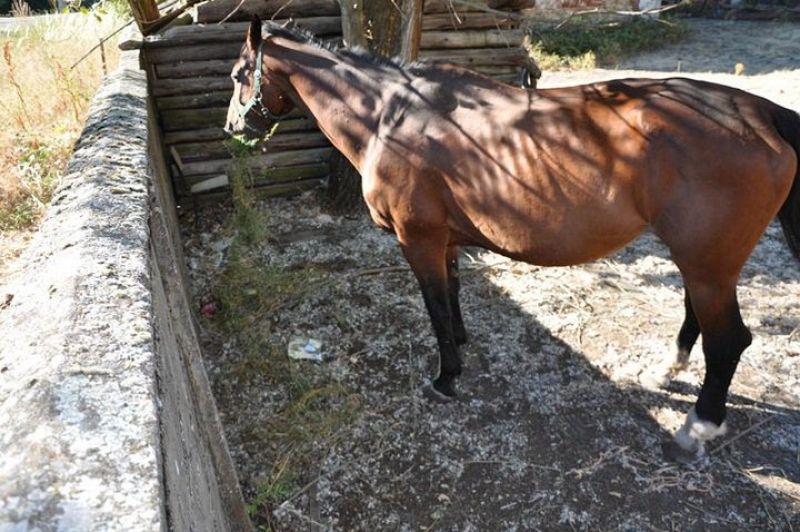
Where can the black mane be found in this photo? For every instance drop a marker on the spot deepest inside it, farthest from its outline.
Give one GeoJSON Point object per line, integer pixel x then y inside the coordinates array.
{"type": "Point", "coordinates": [297, 34]}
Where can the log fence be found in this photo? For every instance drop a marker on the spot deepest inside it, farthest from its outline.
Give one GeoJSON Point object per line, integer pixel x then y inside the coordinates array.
{"type": "Point", "coordinates": [189, 66]}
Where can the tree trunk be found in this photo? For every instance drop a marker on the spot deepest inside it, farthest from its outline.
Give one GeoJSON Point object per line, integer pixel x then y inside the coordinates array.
{"type": "Point", "coordinates": [391, 28]}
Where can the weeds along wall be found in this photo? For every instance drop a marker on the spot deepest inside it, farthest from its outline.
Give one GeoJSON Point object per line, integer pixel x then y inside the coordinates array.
{"type": "Point", "coordinates": [108, 420]}
{"type": "Point", "coordinates": [189, 66]}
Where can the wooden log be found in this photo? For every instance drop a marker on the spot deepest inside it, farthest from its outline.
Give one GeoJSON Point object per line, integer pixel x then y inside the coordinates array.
{"type": "Point", "coordinates": [215, 149]}
{"type": "Point", "coordinates": [208, 183]}
{"type": "Point", "coordinates": [446, 6]}
{"type": "Point", "coordinates": [267, 175]}
{"type": "Point", "coordinates": [296, 124]}
{"type": "Point", "coordinates": [511, 79]}
{"type": "Point", "coordinates": [190, 69]}
{"type": "Point", "coordinates": [476, 57]}
{"type": "Point", "coordinates": [174, 87]}
{"type": "Point", "coordinates": [432, 40]}
{"type": "Point", "coordinates": [262, 192]}
{"type": "Point", "coordinates": [194, 52]}
{"type": "Point", "coordinates": [193, 101]}
{"type": "Point", "coordinates": [178, 119]}
{"type": "Point", "coordinates": [271, 160]}
{"type": "Point", "coordinates": [466, 21]}
{"type": "Point", "coordinates": [211, 129]}
{"type": "Point", "coordinates": [494, 70]}
{"type": "Point", "coordinates": [194, 135]}
{"type": "Point", "coordinates": [143, 11]}
{"type": "Point", "coordinates": [235, 32]}
{"type": "Point", "coordinates": [177, 158]}
{"type": "Point", "coordinates": [217, 10]}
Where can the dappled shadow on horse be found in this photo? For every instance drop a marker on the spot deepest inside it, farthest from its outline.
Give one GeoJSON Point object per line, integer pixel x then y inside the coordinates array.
{"type": "Point", "coordinates": [552, 177]}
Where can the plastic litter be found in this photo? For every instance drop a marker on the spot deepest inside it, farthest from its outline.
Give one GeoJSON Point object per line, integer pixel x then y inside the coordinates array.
{"type": "Point", "coordinates": [305, 349]}
{"type": "Point", "coordinates": [209, 309]}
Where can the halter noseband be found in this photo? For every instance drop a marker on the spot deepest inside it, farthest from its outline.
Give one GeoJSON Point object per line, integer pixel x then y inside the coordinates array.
{"type": "Point", "coordinates": [263, 110]}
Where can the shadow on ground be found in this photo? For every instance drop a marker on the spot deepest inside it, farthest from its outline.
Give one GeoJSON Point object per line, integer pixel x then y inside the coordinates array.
{"type": "Point", "coordinates": [544, 436]}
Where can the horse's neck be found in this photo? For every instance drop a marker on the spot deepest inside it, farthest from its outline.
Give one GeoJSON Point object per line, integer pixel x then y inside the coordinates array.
{"type": "Point", "coordinates": [345, 102]}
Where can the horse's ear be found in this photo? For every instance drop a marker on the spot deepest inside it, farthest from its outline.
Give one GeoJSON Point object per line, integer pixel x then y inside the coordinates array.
{"type": "Point", "coordinates": [254, 33]}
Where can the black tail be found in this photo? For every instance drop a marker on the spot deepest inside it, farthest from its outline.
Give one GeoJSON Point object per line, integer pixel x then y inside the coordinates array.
{"type": "Point", "coordinates": [788, 125]}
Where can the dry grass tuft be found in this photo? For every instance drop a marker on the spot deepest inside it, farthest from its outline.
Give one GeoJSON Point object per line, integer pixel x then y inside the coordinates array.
{"type": "Point", "coordinates": [43, 104]}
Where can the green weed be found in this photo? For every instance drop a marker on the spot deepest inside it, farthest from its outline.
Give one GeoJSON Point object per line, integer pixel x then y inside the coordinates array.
{"type": "Point", "coordinates": [313, 405]}
{"type": "Point", "coordinates": [582, 44]}
{"type": "Point", "coordinates": [39, 166]}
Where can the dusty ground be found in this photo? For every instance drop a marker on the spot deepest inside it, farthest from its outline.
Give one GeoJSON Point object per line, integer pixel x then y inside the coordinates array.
{"type": "Point", "coordinates": [12, 244]}
{"type": "Point", "coordinates": [559, 426]}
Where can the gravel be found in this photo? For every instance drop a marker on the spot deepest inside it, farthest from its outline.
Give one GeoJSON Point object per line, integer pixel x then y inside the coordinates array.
{"type": "Point", "coordinates": [559, 423]}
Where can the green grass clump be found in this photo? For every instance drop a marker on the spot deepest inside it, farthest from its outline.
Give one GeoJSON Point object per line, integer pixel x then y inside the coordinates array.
{"type": "Point", "coordinates": [582, 44]}
{"type": "Point", "coordinates": [38, 167]}
{"type": "Point", "coordinates": [313, 405]}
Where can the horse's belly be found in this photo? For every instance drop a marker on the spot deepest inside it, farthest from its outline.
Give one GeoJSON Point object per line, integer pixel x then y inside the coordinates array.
{"type": "Point", "coordinates": [555, 239]}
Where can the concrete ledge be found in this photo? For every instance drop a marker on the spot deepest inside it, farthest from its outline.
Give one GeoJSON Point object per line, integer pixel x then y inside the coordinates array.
{"type": "Point", "coordinates": [107, 418]}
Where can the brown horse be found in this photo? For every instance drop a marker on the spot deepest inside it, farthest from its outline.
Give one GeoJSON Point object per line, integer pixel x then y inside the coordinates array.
{"type": "Point", "coordinates": [450, 158]}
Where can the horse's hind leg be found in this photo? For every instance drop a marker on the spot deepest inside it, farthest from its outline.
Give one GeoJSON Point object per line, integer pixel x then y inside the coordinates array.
{"type": "Point", "coordinates": [426, 254]}
{"type": "Point", "coordinates": [725, 337]}
{"type": "Point", "coordinates": [687, 337]}
{"type": "Point", "coordinates": [454, 286]}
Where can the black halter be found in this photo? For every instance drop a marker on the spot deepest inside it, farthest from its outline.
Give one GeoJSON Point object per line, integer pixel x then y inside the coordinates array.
{"type": "Point", "coordinates": [262, 109]}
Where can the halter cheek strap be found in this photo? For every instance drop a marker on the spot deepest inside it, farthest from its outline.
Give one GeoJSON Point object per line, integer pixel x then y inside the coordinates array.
{"type": "Point", "coordinates": [263, 110]}
{"type": "Point", "coordinates": [256, 97]}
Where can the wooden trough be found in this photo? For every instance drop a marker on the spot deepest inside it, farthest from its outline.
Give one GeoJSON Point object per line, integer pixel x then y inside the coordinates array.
{"type": "Point", "coordinates": [188, 68]}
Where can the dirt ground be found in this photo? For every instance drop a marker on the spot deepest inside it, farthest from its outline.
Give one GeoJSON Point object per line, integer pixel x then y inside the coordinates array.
{"type": "Point", "coordinates": [560, 422]}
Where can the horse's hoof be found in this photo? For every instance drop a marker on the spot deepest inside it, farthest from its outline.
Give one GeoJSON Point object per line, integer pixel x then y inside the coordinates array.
{"type": "Point", "coordinates": [675, 453]}
{"type": "Point", "coordinates": [430, 392]}
{"type": "Point", "coordinates": [461, 338]}
{"type": "Point", "coordinates": [446, 385]}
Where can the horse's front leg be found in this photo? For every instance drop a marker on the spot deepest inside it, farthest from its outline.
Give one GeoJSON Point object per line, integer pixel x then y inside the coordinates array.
{"type": "Point", "coordinates": [454, 287]}
{"type": "Point", "coordinates": [426, 254]}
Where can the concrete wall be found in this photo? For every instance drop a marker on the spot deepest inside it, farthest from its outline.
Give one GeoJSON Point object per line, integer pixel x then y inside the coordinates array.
{"type": "Point", "coordinates": [106, 417]}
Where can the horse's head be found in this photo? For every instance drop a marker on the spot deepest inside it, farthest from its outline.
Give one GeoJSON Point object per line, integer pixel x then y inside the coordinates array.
{"type": "Point", "coordinates": [257, 102]}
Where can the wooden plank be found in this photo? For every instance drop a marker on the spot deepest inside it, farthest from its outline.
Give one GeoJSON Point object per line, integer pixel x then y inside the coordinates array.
{"type": "Point", "coordinates": [269, 175]}
{"type": "Point", "coordinates": [194, 52]}
{"type": "Point", "coordinates": [209, 183]}
{"type": "Point", "coordinates": [471, 39]}
{"type": "Point", "coordinates": [174, 87]}
{"type": "Point", "coordinates": [181, 119]}
{"type": "Point", "coordinates": [143, 11]}
{"type": "Point", "coordinates": [194, 135]}
{"type": "Point", "coordinates": [235, 32]}
{"type": "Point", "coordinates": [467, 21]}
{"type": "Point", "coordinates": [266, 191]}
{"type": "Point", "coordinates": [284, 158]}
{"type": "Point", "coordinates": [193, 101]}
{"type": "Point", "coordinates": [511, 79]}
{"type": "Point", "coordinates": [217, 10]}
{"type": "Point", "coordinates": [475, 57]}
{"type": "Point", "coordinates": [211, 128]}
{"type": "Point", "coordinates": [502, 70]}
{"type": "Point", "coordinates": [177, 158]}
{"type": "Point", "coordinates": [215, 149]}
{"type": "Point", "coordinates": [190, 69]}
{"type": "Point", "coordinates": [215, 132]}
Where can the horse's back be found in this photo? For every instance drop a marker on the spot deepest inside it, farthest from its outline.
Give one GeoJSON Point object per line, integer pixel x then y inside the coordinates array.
{"type": "Point", "coordinates": [563, 176]}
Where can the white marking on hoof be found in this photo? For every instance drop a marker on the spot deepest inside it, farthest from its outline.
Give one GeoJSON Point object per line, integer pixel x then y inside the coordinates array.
{"type": "Point", "coordinates": [695, 432]}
